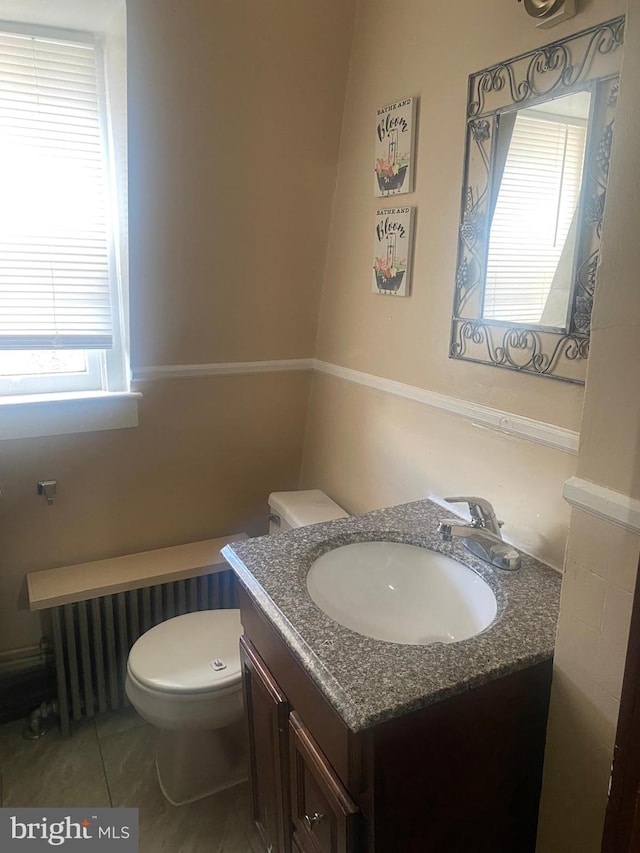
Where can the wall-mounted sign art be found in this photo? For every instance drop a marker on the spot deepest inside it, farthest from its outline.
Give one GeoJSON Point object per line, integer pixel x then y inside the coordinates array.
{"type": "Point", "coordinates": [395, 144]}
{"type": "Point", "coordinates": [392, 251]}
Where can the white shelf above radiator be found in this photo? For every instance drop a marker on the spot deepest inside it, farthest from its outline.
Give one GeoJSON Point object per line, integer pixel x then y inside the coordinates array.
{"type": "Point", "coordinates": [83, 581]}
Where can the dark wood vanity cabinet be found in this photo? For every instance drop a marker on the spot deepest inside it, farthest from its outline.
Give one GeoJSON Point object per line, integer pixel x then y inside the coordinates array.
{"type": "Point", "coordinates": [322, 812]}
{"type": "Point", "coordinates": [267, 713]}
{"type": "Point", "coordinates": [296, 795]}
{"type": "Point", "coordinates": [460, 775]}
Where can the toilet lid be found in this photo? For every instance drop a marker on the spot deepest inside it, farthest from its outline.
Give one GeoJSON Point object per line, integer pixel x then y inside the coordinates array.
{"type": "Point", "coordinates": [189, 654]}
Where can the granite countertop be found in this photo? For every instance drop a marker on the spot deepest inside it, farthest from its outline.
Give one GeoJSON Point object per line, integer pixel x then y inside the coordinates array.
{"type": "Point", "coordinates": [369, 681]}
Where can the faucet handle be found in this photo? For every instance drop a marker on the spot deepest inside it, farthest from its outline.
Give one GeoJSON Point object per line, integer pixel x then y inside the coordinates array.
{"type": "Point", "coordinates": [444, 529]}
{"type": "Point", "coordinates": [482, 513]}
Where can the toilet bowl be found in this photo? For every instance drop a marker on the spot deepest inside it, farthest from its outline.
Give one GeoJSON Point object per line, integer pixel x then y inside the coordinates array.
{"type": "Point", "coordinates": [184, 677]}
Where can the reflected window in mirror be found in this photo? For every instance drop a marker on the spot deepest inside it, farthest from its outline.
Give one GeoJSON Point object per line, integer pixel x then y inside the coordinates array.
{"type": "Point", "coordinates": [537, 176]}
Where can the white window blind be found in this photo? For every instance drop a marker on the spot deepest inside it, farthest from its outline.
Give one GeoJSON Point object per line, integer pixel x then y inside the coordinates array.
{"type": "Point", "coordinates": [533, 215]}
{"type": "Point", "coordinates": [54, 243]}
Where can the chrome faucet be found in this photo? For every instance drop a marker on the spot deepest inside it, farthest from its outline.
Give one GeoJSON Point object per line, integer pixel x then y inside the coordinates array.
{"type": "Point", "coordinates": [482, 537]}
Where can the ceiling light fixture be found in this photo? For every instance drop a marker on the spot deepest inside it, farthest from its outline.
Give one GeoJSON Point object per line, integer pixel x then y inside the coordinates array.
{"type": "Point", "coordinates": [550, 12]}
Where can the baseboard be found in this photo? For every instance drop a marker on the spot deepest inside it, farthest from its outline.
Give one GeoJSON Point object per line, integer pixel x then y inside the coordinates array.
{"type": "Point", "coordinates": [26, 681]}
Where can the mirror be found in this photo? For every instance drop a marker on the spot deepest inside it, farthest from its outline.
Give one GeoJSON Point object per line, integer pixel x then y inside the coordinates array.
{"type": "Point", "coordinates": [539, 132]}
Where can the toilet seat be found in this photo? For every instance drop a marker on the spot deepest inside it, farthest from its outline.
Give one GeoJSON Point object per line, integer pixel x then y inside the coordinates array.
{"type": "Point", "coordinates": [196, 653]}
{"type": "Point", "coordinates": [201, 696]}
{"type": "Point", "coordinates": [170, 681]}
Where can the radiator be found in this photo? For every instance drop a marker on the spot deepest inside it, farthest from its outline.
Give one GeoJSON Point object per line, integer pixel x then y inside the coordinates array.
{"type": "Point", "coordinates": [91, 639]}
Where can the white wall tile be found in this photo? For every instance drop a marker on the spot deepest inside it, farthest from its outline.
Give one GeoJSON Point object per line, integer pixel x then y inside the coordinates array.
{"type": "Point", "coordinates": [618, 604]}
{"type": "Point", "coordinates": [588, 597]}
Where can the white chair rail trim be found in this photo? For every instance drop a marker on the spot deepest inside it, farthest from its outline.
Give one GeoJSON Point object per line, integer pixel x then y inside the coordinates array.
{"type": "Point", "coordinates": [230, 368]}
{"type": "Point", "coordinates": [604, 503]}
{"type": "Point", "coordinates": [539, 432]}
{"type": "Point", "coordinates": [532, 430]}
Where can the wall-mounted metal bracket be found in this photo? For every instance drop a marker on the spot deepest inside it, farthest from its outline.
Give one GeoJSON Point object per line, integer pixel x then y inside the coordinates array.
{"type": "Point", "coordinates": [48, 488]}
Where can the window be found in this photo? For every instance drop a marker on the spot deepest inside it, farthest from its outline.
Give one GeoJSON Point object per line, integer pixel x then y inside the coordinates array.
{"type": "Point", "coordinates": [42, 371]}
{"type": "Point", "coordinates": [63, 268]}
{"type": "Point", "coordinates": [60, 291]}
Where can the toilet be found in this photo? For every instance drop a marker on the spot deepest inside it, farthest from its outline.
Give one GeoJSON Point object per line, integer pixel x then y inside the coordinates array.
{"type": "Point", "coordinates": [184, 677]}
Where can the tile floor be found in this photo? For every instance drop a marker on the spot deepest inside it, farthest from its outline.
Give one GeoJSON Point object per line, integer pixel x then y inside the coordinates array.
{"type": "Point", "coordinates": [110, 762]}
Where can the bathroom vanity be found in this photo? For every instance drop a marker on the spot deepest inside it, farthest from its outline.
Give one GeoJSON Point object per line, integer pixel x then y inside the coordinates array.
{"type": "Point", "coordinates": [363, 745]}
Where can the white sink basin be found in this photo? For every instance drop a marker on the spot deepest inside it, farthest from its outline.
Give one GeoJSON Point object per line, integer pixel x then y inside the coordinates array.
{"type": "Point", "coordinates": [401, 593]}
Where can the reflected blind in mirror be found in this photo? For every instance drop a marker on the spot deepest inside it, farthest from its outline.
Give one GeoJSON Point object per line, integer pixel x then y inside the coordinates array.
{"type": "Point", "coordinates": [54, 246]}
{"type": "Point", "coordinates": [534, 216]}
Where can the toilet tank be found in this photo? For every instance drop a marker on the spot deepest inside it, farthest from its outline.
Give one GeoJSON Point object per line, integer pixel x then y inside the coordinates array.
{"type": "Point", "coordinates": [296, 509]}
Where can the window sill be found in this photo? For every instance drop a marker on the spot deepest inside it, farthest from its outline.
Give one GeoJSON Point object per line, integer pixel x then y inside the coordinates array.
{"type": "Point", "coordinates": [39, 415]}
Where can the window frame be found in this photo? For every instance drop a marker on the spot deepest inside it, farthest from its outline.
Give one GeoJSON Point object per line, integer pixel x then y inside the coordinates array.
{"type": "Point", "coordinates": [71, 402]}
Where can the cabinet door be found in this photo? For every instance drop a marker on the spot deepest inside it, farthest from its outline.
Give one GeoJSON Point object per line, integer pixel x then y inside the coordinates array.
{"type": "Point", "coordinates": [267, 711]}
{"type": "Point", "coordinates": [322, 811]}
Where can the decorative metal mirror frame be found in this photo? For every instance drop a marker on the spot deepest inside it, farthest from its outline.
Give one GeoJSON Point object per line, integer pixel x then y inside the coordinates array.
{"type": "Point", "coordinates": [589, 60]}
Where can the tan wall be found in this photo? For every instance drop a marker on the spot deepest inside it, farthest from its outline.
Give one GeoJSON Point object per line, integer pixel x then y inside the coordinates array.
{"type": "Point", "coordinates": [602, 558]}
{"type": "Point", "coordinates": [234, 123]}
{"type": "Point", "coordinates": [201, 464]}
{"type": "Point", "coordinates": [367, 450]}
{"type": "Point", "coordinates": [435, 48]}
